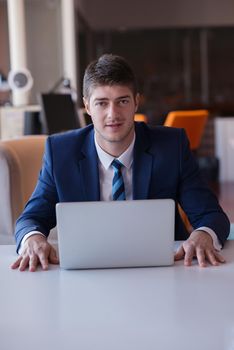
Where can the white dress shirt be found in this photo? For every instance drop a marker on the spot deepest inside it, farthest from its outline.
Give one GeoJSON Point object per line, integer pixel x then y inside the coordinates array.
{"type": "Point", "coordinates": [106, 173]}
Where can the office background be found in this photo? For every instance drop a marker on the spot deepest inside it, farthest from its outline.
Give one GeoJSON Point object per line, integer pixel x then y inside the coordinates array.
{"type": "Point", "coordinates": [182, 52]}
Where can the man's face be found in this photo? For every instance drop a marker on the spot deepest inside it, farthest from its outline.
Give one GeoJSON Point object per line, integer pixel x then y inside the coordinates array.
{"type": "Point", "coordinates": [112, 109]}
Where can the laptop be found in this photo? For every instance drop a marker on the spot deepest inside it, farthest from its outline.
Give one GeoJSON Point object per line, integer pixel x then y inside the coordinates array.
{"type": "Point", "coordinates": [116, 234]}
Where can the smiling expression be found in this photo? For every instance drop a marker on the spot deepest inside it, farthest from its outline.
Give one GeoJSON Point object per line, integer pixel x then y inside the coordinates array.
{"type": "Point", "coordinates": [112, 109]}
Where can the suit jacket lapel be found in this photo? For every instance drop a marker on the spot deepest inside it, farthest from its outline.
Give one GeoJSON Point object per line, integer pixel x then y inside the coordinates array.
{"type": "Point", "coordinates": [142, 165]}
{"type": "Point", "coordinates": [89, 169]}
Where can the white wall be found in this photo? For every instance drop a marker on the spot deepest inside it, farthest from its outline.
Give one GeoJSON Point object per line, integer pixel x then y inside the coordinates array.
{"type": "Point", "coordinates": [113, 14]}
{"type": "Point", "coordinates": [4, 46]}
{"type": "Point", "coordinates": [4, 49]}
{"type": "Point", "coordinates": [44, 43]}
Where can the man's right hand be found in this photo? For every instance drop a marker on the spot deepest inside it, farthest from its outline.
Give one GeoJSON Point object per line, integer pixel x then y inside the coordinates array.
{"type": "Point", "coordinates": [36, 251]}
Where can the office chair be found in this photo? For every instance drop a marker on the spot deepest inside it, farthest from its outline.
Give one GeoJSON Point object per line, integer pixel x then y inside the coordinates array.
{"type": "Point", "coordinates": [140, 118]}
{"type": "Point", "coordinates": [20, 162]}
{"type": "Point", "coordinates": [193, 121]}
{"type": "Point", "coordinates": [58, 113]}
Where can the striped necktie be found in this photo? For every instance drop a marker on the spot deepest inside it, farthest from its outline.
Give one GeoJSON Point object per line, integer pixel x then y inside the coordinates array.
{"type": "Point", "coordinates": [118, 191]}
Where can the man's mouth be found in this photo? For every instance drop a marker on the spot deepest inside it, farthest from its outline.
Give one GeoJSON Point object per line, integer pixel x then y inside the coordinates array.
{"type": "Point", "coordinates": [114, 125]}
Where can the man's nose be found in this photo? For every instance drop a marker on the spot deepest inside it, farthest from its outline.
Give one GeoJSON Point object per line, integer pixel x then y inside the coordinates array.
{"type": "Point", "coordinates": [112, 111]}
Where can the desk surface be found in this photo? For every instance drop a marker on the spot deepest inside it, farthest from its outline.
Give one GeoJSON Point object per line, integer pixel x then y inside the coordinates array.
{"type": "Point", "coordinates": [145, 308]}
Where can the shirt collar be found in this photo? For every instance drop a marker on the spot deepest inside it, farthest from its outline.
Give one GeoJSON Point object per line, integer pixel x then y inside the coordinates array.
{"type": "Point", "coordinates": [126, 158]}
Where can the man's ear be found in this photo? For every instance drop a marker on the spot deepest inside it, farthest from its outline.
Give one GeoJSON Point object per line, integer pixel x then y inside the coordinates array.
{"type": "Point", "coordinates": [137, 101]}
{"type": "Point", "coordinates": [86, 105]}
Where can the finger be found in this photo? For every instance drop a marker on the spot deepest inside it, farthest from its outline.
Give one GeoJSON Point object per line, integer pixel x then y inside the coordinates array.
{"type": "Point", "coordinates": [33, 262]}
{"type": "Point", "coordinates": [201, 258]}
{"type": "Point", "coordinates": [43, 260]}
{"type": "Point", "coordinates": [179, 253]}
{"type": "Point", "coordinates": [24, 263]}
{"type": "Point", "coordinates": [219, 257]}
{"type": "Point", "coordinates": [214, 258]}
{"type": "Point", "coordinates": [189, 254]}
{"type": "Point", "coordinates": [16, 263]}
{"type": "Point", "coordinates": [53, 256]}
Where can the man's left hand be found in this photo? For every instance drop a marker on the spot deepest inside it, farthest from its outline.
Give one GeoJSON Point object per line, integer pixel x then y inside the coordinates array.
{"type": "Point", "coordinates": [199, 245]}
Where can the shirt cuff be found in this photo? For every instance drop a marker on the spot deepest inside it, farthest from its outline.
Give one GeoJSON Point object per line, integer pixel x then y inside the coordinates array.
{"type": "Point", "coordinates": [213, 235]}
{"type": "Point", "coordinates": [31, 233]}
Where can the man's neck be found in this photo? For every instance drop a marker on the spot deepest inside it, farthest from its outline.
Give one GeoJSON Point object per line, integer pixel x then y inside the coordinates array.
{"type": "Point", "coordinates": [114, 149]}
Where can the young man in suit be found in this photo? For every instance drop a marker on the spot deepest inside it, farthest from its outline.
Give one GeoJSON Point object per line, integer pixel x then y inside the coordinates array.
{"type": "Point", "coordinates": [156, 163]}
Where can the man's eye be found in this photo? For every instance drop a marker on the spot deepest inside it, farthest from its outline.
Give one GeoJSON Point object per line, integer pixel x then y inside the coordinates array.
{"type": "Point", "coordinates": [100, 104]}
{"type": "Point", "coordinates": [123, 102]}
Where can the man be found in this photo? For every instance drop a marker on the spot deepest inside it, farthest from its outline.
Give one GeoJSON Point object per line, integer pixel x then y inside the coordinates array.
{"type": "Point", "coordinates": [156, 163]}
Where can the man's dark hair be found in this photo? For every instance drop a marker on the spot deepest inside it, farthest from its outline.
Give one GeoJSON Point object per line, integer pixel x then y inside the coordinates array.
{"type": "Point", "coordinates": [108, 70]}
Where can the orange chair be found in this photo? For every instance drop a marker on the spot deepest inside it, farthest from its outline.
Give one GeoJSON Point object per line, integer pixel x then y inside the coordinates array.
{"type": "Point", "coordinates": [185, 219]}
{"type": "Point", "coordinates": [193, 121]}
{"type": "Point", "coordinates": [140, 118]}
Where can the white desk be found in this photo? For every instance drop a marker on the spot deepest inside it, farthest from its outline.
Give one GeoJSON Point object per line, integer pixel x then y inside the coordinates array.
{"type": "Point", "coordinates": [119, 309]}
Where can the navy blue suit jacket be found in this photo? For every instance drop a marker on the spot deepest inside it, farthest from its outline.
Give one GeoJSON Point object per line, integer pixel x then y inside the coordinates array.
{"type": "Point", "coordinates": [163, 167]}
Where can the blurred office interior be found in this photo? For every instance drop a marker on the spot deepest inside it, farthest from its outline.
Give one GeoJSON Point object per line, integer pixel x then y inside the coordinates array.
{"type": "Point", "coordinates": [182, 52]}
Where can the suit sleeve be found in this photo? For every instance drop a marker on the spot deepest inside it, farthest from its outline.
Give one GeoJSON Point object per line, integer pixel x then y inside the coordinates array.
{"type": "Point", "coordinates": [39, 212]}
{"type": "Point", "coordinates": [197, 200]}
